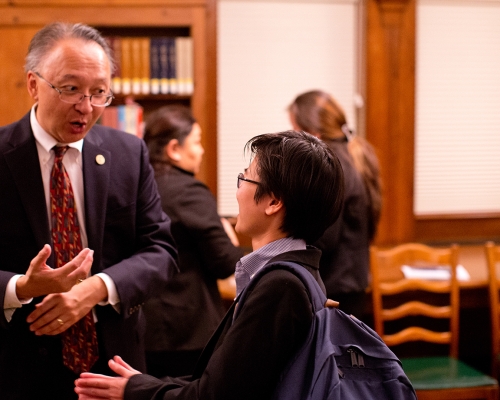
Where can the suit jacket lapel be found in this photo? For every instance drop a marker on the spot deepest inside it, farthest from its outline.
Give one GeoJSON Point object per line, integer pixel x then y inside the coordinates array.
{"type": "Point", "coordinates": [24, 166]}
{"type": "Point", "coordinates": [96, 171]}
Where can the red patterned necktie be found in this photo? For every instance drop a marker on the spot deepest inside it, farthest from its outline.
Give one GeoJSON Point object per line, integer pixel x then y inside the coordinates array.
{"type": "Point", "coordinates": [79, 342]}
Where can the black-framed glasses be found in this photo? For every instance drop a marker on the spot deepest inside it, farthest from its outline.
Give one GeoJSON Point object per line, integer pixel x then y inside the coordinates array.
{"type": "Point", "coordinates": [241, 177]}
{"type": "Point", "coordinates": [74, 97]}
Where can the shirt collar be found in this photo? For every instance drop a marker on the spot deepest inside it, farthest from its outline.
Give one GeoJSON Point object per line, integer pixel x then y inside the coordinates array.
{"type": "Point", "coordinates": [250, 264]}
{"type": "Point", "coordinates": [46, 140]}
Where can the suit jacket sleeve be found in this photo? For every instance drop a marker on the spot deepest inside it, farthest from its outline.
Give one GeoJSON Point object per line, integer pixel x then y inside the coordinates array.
{"type": "Point", "coordinates": [251, 353]}
{"type": "Point", "coordinates": [136, 248]}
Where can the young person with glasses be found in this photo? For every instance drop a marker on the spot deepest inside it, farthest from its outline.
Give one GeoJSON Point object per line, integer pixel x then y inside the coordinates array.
{"type": "Point", "coordinates": [290, 193]}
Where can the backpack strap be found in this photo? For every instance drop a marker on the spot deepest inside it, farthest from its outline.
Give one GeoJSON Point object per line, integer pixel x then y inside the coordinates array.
{"type": "Point", "coordinates": [316, 295]}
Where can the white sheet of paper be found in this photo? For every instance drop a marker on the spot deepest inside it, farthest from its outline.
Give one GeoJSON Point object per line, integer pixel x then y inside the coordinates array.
{"type": "Point", "coordinates": [440, 273]}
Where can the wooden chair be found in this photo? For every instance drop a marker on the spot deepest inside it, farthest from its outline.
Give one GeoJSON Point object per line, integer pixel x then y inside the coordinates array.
{"type": "Point", "coordinates": [432, 377]}
{"type": "Point", "coordinates": [492, 259]}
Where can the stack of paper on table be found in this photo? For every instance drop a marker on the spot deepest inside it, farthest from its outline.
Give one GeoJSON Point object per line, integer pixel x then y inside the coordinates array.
{"type": "Point", "coordinates": [437, 273]}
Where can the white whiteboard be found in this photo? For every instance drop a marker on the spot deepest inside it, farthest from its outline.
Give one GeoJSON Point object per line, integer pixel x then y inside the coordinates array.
{"type": "Point", "coordinates": [268, 52]}
{"type": "Point", "coordinates": [457, 132]}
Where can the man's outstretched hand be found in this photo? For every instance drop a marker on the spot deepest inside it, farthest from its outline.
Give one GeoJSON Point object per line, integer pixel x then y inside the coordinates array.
{"type": "Point", "coordinates": [40, 279]}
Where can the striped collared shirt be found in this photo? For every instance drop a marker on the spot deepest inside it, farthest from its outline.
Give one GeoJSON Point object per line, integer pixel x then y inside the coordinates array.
{"type": "Point", "coordinates": [253, 262]}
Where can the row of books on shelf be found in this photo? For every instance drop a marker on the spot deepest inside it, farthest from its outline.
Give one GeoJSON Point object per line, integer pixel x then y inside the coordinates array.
{"type": "Point", "coordinates": [127, 117]}
{"type": "Point", "coordinates": [152, 65]}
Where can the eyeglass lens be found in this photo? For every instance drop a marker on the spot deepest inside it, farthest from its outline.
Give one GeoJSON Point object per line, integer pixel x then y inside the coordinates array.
{"type": "Point", "coordinates": [76, 97]}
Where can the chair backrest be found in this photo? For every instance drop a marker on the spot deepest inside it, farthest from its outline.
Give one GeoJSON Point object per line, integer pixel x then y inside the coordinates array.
{"type": "Point", "coordinates": [388, 280]}
{"type": "Point", "coordinates": [492, 259]}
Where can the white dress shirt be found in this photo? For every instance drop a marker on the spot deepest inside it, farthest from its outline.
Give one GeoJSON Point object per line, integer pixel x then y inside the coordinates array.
{"type": "Point", "coordinates": [72, 162]}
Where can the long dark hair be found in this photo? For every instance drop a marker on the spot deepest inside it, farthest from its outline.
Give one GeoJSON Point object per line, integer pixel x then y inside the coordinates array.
{"type": "Point", "coordinates": [318, 113]}
{"type": "Point", "coordinates": [163, 125]}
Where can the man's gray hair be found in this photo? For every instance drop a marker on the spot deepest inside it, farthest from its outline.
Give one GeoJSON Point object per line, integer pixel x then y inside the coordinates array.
{"type": "Point", "coordinates": [46, 38]}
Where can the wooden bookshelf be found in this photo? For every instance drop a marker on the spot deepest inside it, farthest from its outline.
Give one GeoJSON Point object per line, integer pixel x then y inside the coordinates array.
{"type": "Point", "coordinates": [21, 19]}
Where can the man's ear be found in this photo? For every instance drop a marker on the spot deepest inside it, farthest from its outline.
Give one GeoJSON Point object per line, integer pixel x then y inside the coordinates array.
{"type": "Point", "coordinates": [32, 85]}
{"type": "Point", "coordinates": [172, 150]}
{"type": "Point", "coordinates": [273, 205]}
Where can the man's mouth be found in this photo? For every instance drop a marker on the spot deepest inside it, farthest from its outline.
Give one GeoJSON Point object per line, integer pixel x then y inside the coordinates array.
{"type": "Point", "coordinates": [78, 127]}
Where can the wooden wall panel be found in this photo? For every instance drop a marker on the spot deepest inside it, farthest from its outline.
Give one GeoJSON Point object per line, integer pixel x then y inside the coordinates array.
{"type": "Point", "coordinates": [390, 110]}
{"type": "Point", "coordinates": [210, 142]}
{"type": "Point", "coordinates": [390, 80]}
{"type": "Point", "coordinates": [461, 229]}
{"type": "Point", "coordinates": [14, 98]}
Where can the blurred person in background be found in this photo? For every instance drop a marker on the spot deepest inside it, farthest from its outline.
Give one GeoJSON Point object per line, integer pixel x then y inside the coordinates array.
{"type": "Point", "coordinates": [181, 320]}
{"type": "Point", "coordinates": [344, 264]}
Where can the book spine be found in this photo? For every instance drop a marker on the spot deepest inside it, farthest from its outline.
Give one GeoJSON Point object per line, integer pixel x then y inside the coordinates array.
{"type": "Point", "coordinates": [139, 121]}
{"type": "Point", "coordinates": [116, 52]}
{"type": "Point", "coordinates": [189, 66]}
{"type": "Point", "coordinates": [173, 85]}
{"type": "Point", "coordinates": [114, 118]}
{"type": "Point", "coordinates": [164, 65]}
{"type": "Point", "coordinates": [130, 121]}
{"type": "Point", "coordinates": [121, 118]}
{"type": "Point", "coordinates": [126, 66]}
{"type": "Point", "coordinates": [154, 63]}
{"type": "Point", "coordinates": [180, 64]}
{"type": "Point", "coordinates": [145, 66]}
{"type": "Point", "coordinates": [109, 117]}
{"type": "Point", "coordinates": [135, 67]}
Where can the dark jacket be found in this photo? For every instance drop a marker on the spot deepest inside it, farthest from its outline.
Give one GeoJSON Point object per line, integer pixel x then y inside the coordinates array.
{"type": "Point", "coordinates": [126, 228]}
{"type": "Point", "coordinates": [245, 358]}
{"type": "Point", "coordinates": [344, 265]}
{"type": "Point", "coordinates": [189, 308]}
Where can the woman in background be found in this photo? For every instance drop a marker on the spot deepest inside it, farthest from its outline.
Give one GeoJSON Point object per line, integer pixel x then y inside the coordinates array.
{"type": "Point", "coordinates": [182, 319]}
{"type": "Point", "coordinates": [344, 264]}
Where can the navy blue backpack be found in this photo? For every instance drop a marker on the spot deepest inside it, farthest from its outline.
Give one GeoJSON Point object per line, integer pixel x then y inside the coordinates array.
{"type": "Point", "coordinates": [342, 358]}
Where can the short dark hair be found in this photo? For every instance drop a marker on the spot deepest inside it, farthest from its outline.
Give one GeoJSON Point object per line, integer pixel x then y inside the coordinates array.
{"type": "Point", "coordinates": [170, 122]}
{"type": "Point", "coordinates": [302, 172]}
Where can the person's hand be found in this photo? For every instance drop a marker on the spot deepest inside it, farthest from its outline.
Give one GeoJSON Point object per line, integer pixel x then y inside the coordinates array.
{"type": "Point", "coordinates": [228, 228]}
{"type": "Point", "coordinates": [40, 279]}
{"type": "Point", "coordinates": [94, 386]}
{"type": "Point", "coordinates": [58, 311]}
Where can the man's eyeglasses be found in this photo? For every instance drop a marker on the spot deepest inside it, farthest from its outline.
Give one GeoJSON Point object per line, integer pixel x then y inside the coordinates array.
{"type": "Point", "coordinates": [241, 177]}
{"type": "Point", "coordinates": [74, 97]}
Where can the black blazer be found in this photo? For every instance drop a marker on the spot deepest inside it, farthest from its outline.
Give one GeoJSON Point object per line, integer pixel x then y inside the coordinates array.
{"type": "Point", "coordinates": [344, 265]}
{"type": "Point", "coordinates": [189, 308]}
{"type": "Point", "coordinates": [125, 227]}
{"type": "Point", "coordinates": [244, 359]}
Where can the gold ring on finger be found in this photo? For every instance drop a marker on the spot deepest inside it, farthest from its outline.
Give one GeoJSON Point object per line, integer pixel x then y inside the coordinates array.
{"type": "Point", "coordinates": [61, 322]}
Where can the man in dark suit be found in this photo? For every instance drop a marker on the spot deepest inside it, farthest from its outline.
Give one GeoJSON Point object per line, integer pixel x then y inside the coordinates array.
{"type": "Point", "coordinates": [291, 192]}
{"type": "Point", "coordinates": [115, 208]}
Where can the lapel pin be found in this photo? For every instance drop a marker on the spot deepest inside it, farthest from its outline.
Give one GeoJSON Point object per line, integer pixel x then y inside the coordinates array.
{"type": "Point", "coordinates": [99, 159]}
